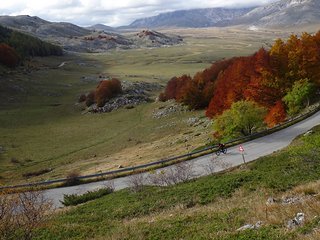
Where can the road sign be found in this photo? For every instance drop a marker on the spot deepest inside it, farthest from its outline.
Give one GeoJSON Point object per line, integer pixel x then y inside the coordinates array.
{"type": "Point", "coordinates": [241, 149]}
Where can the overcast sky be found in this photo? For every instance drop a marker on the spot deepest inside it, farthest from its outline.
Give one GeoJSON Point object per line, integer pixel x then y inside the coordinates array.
{"type": "Point", "coordinates": [109, 12]}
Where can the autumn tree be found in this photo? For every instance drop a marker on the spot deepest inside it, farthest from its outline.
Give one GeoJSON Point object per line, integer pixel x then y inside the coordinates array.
{"type": "Point", "coordinates": [299, 96]}
{"type": "Point", "coordinates": [8, 56]}
{"type": "Point", "coordinates": [176, 87]}
{"type": "Point", "coordinates": [243, 118]}
{"type": "Point", "coordinates": [277, 114]}
{"type": "Point", "coordinates": [106, 90]}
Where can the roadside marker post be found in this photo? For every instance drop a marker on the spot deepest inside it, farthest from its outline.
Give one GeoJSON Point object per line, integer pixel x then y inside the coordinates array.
{"type": "Point", "coordinates": [241, 149]}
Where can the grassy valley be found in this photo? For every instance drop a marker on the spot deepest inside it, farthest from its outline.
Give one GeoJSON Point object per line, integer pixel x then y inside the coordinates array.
{"type": "Point", "coordinates": [42, 127]}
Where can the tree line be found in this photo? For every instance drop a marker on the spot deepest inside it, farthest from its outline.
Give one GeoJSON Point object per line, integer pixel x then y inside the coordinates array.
{"type": "Point", "coordinates": [16, 46]}
{"type": "Point", "coordinates": [281, 80]}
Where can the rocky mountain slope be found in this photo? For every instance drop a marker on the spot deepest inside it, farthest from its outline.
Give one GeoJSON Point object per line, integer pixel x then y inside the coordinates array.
{"type": "Point", "coordinates": [283, 13]}
{"type": "Point", "coordinates": [42, 28]}
{"type": "Point", "coordinates": [190, 18]}
{"type": "Point", "coordinates": [78, 39]}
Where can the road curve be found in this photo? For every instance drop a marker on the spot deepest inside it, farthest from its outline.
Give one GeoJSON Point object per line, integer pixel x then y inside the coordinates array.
{"type": "Point", "coordinates": [253, 149]}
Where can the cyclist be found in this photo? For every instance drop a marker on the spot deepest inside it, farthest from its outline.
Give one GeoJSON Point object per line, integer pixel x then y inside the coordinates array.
{"type": "Point", "coordinates": [221, 147]}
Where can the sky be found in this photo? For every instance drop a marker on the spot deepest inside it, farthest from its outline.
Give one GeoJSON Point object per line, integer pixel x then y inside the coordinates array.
{"type": "Point", "coordinates": [110, 12]}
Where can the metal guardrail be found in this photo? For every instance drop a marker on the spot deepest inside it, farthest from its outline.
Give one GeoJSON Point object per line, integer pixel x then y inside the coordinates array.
{"type": "Point", "coordinates": [171, 159]}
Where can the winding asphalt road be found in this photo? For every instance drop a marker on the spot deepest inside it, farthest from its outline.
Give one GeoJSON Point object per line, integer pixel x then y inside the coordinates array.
{"type": "Point", "coordinates": [254, 149]}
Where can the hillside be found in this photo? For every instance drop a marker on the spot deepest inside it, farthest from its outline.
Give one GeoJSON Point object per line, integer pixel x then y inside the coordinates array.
{"type": "Point", "coordinates": [98, 38]}
{"type": "Point", "coordinates": [267, 78]}
{"type": "Point", "coordinates": [256, 201]}
{"type": "Point", "coordinates": [42, 28]}
{"type": "Point", "coordinates": [190, 18]}
{"type": "Point", "coordinates": [102, 27]}
{"type": "Point", "coordinates": [16, 46]}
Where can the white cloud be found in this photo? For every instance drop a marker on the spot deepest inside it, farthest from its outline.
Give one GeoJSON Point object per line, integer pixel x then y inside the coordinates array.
{"type": "Point", "coordinates": [110, 12]}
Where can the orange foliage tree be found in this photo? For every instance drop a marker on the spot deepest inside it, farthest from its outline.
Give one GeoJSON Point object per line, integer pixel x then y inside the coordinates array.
{"type": "Point", "coordinates": [276, 114]}
{"type": "Point", "coordinates": [195, 92]}
{"type": "Point", "coordinates": [106, 90]}
{"type": "Point", "coordinates": [176, 88]}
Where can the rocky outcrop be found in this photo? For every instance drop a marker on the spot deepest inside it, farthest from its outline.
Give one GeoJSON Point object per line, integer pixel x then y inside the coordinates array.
{"type": "Point", "coordinates": [150, 38]}
{"type": "Point", "coordinates": [133, 93]}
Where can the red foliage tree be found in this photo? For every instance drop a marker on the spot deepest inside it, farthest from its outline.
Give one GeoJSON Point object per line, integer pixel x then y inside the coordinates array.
{"type": "Point", "coordinates": [176, 87]}
{"type": "Point", "coordinates": [276, 114]}
{"type": "Point", "coordinates": [230, 85]}
{"type": "Point", "coordinates": [106, 90]}
{"type": "Point", "coordinates": [196, 92]}
{"type": "Point", "coordinates": [8, 56]}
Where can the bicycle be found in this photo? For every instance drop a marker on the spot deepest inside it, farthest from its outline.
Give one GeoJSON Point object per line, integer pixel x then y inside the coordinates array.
{"type": "Point", "coordinates": [221, 150]}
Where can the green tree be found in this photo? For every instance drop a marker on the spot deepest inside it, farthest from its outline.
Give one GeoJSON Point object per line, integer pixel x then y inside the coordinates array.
{"type": "Point", "coordinates": [242, 119]}
{"type": "Point", "coordinates": [299, 96]}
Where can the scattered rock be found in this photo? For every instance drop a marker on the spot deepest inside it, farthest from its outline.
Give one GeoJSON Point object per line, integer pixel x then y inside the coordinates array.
{"type": "Point", "coordinates": [168, 110]}
{"type": "Point", "coordinates": [308, 133]}
{"type": "Point", "coordinates": [297, 221]}
{"type": "Point", "coordinates": [270, 201]}
{"type": "Point", "coordinates": [250, 226]}
{"type": "Point", "coordinates": [192, 121]}
{"type": "Point", "coordinates": [291, 200]}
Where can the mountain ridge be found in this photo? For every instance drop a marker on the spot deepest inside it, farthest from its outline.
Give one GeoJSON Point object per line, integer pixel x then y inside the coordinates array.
{"type": "Point", "coordinates": [282, 13]}
{"type": "Point", "coordinates": [205, 17]}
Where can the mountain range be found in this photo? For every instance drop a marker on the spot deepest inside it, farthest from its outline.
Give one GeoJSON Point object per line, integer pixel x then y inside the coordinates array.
{"type": "Point", "coordinates": [42, 28]}
{"type": "Point", "coordinates": [97, 38]}
{"type": "Point", "coordinates": [190, 18]}
{"type": "Point", "coordinates": [283, 13]}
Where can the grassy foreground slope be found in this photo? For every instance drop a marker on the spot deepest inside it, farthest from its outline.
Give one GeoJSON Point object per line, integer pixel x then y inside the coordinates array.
{"type": "Point", "coordinates": [212, 207]}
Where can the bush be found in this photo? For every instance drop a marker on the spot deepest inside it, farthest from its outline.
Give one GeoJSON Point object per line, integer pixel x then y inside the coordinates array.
{"type": "Point", "coordinates": [106, 90]}
{"type": "Point", "coordinates": [73, 179]}
{"type": "Point", "coordinates": [82, 98]}
{"type": "Point", "coordinates": [73, 199]}
{"type": "Point", "coordinates": [90, 98]}
{"type": "Point", "coordinates": [37, 173]}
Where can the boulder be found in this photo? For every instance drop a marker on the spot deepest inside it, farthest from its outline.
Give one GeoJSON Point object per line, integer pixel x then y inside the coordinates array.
{"type": "Point", "coordinates": [297, 221]}
{"type": "Point", "coordinates": [250, 226]}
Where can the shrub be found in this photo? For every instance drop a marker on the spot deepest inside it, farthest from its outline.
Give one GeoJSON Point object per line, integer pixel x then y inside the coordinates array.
{"type": "Point", "coordinates": [22, 213]}
{"type": "Point", "coordinates": [90, 98]}
{"type": "Point", "coordinates": [37, 173]}
{"type": "Point", "coordinates": [106, 90]}
{"type": "Point", "coordinates": [82, 98]}
{"type": "Point", "coordinates": [73, 179]}
{"type": "Point", "coordinates": [74, 199]}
